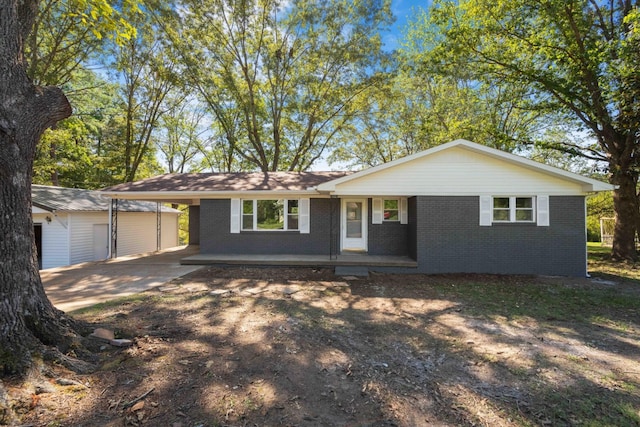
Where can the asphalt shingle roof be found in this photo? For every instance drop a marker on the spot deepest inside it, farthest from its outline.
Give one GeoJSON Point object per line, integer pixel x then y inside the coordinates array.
{"type": "Point", "coordinates": [75, 200]}
{"type": "Point", "coordinates": [238, 181]}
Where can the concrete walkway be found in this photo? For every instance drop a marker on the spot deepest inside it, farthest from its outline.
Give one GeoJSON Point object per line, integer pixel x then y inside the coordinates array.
{"type": "Point", "coordinates": [82, 285]}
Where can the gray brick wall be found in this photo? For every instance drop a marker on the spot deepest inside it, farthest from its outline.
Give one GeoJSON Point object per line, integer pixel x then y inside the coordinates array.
{"type": "Point", "coordinates": [443, 235]}
{"type": "Point", "coordinates": [449, 239]}
{"type": "Point", "coordinates": [412, 229]}
{"type": "Point", "coordinates": [215, 237]}
{"type": "Point", "coordinates": [194, 225]}
{"type": "Point", "coordinates": [388, 238]}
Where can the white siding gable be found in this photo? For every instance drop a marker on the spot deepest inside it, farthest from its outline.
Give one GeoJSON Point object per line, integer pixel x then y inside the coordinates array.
{"type": "Point", "coordinates": [458, 171]}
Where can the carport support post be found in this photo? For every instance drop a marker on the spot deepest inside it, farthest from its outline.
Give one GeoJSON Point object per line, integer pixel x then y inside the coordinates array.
{"type": "Point", "coordinates": [113, 227]}
{"type": "Point", "coordinates": [158, 226]}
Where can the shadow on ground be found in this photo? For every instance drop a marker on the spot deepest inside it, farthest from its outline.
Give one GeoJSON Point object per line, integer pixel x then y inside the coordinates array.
{"type": "Point", "coordinates": [264, 346]}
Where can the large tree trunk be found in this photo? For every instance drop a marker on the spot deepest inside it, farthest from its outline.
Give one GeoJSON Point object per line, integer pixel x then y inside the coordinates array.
{"type": "Point", "coordinates": [28, 321]}
{"type": "Point", "coordinates": [625, 205]}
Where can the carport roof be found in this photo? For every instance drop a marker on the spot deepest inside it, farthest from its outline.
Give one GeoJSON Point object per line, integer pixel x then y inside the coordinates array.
{"type": "Point", "coordinates": [61, 199]}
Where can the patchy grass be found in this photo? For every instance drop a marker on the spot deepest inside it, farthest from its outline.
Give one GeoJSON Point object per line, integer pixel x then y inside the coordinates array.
{"type": "Point", "coordinates": [268, 346]}
{"type": "Point", "coordinates": [600, 264]}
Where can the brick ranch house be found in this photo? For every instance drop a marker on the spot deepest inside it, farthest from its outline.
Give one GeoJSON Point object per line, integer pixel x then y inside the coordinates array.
{"type": "Point", "coordinates": [457, 208]}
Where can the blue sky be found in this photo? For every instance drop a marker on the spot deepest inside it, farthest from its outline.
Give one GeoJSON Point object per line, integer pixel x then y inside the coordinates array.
{"type": "Point", "coordinates": [402, 10]}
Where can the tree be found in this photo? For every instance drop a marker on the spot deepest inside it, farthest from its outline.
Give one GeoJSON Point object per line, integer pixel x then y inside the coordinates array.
{"type": "Point", "coordinates": [280, 78]}
{"type": "Point", "coordinates": [182, 138]}
{"type": "Point", "coordinates": [147, 75]}
{"type": "Point", "coordinates": [29, 323]}
{"type": "Point", "coordinates": [66, 37]}
{"type": "Point", "coordinates": [577, 57]}
{"type": "Point", "coordinates": [414, 111]}
{"type": "Point", "coordinates": [27, 317]}
{"type": "Point", "coordinates": [70, 154]}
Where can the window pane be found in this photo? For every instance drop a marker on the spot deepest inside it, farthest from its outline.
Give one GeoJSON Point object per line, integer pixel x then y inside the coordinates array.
{"type": "Point", "coordinates": [293, 222]}
{"type": "Point", "coordinates": [391, 204]}
{"type": "Point", "coordinates": [391, 215]}
{"type": "Point", "coordinates": [391, 210]}
{"type": "Point", "coordinates": [501, 202]}
{"type": "Point", "coordinates": [247, 222]}
{"type": "Point", "coordinates": [270, 214]}
{"type": "Point", "coordinates": [354, 220]}
{"type": "Point", "coordinates": [524, 202]}
{"type": "Point", "coordinates": [292, 206]}
{"type": "Point", "coordinates": [247, 206]}
{"type": "Point", "coordinates": [354, 211]}
{"type": "Point", "coordinates": [524, 215]}
{"type": "Point", "coordinates": [501, 215]}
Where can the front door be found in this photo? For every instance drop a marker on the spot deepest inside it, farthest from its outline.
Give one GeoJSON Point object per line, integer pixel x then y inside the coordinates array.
{"type": "Point", "coordinates": [354, 224]}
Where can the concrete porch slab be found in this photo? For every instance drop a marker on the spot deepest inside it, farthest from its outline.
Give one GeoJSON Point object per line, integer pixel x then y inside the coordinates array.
{"type": "Point", "coordinates": [301, 260]}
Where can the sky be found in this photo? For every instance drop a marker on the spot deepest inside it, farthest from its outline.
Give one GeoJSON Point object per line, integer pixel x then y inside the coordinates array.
{"type": "Point", "coordinates": [402, 10]}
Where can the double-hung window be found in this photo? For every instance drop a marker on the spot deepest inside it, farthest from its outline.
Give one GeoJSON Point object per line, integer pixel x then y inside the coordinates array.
{"type": "Point", "coordinates": [391, 210]}
{"type": "Point", "coordinates": [270, 214]}
{"type": "Point", "coordinates": [513, 209]}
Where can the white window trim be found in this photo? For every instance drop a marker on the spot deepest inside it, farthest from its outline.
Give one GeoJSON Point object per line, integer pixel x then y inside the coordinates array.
{"type": "Point", "coordinates": [377, 207]}
{"type": "Point", "coordinates": [255, 216]}
{"type": "Point", "coordinates": [540, 210]}
{"type": "Point", "coordinates": [513, 210]}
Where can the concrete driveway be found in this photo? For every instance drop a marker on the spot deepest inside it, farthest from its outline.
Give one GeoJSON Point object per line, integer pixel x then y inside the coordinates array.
{"type": "Point", "coordinates": [82, 285]}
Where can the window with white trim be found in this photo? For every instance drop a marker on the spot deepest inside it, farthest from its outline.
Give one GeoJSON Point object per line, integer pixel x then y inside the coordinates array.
{"type": "Point", "coordinates": [513, 209]}
{"type": "Point", "coordinates": [270, 214]}
{"type": "Point", "coordinates": [391, 210]}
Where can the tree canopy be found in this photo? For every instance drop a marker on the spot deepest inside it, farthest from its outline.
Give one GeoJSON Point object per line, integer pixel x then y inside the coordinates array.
{"type": "Point", "coordinates": [577, 58]}
{"type": "Point", "coordinates": [280, 78]}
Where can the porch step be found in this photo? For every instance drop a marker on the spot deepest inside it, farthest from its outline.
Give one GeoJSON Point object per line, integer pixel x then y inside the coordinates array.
{"type": "Point", "coordinates": [352, 270]}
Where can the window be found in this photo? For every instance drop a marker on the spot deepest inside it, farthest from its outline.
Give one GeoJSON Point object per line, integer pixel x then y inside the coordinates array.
{"type": "Point", "coordinates": [292, 214]}
{"type": "Point", "coordinates": [391, 210]}
{"type": "Point", "coordinates": [280, 214]}
{"type": "Point", "coordinates": [513, 209]}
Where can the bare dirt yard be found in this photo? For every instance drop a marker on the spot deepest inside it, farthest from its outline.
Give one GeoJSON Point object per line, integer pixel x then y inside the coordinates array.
{"type": "Point", "coordinates": [303, 347]}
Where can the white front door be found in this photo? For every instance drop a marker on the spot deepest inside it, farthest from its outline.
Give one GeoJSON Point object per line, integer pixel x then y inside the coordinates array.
{"type": "Point", "coordinates": [354, 224]}
{"type": "Point", "coordinates": [100, 241]}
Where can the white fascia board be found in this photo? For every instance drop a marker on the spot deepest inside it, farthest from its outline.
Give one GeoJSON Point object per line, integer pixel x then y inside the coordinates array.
{"type": "Point", "coordinates": [588, 184]}
{"type": "Point", "coordinates": [444, 194]}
